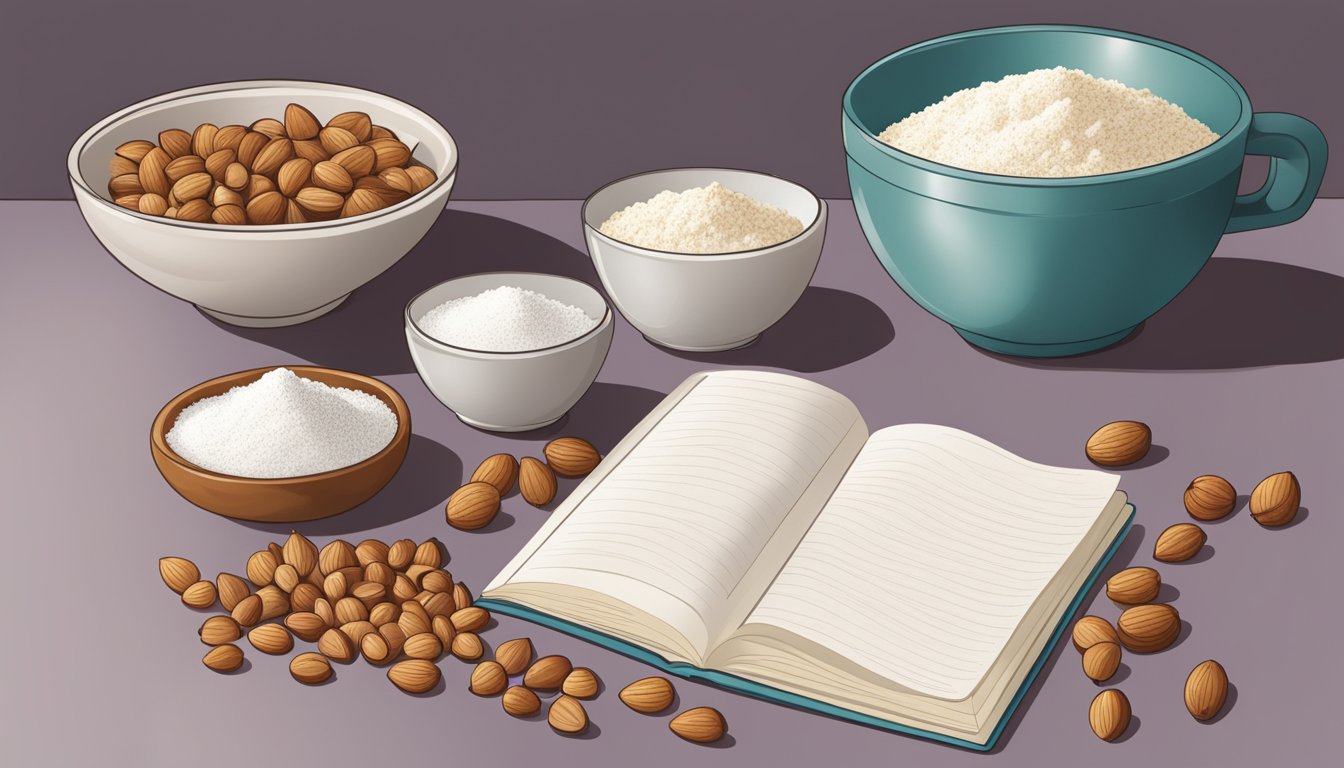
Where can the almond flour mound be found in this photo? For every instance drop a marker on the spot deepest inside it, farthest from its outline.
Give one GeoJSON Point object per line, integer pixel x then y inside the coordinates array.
{"type": "Point", "coordinates": [702, 220]}
{"type": "Point", "coordinates": [1050, 123]}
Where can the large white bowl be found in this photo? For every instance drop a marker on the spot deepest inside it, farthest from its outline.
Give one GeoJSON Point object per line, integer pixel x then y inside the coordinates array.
{"type": "Point", "coordinates": [705, 302]}
{"type": "Point", "coordinates": [510, 391]}
{"type": "Point", "coordinates": [259, 276]}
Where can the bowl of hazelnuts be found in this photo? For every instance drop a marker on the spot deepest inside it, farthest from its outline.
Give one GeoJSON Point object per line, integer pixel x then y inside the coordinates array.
{"type": "Point", "coordinates": [264, 203]}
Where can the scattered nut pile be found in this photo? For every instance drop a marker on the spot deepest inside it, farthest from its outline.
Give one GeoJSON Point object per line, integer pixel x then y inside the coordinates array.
{"type": "Point", "coordinates": [270, 172]}
{"type": "Point", "coordinates": [475, 504]}
{"type": "Point", "coordinates": [1144, 625]}
{"type": "Point", "coordinates": [382, 601]}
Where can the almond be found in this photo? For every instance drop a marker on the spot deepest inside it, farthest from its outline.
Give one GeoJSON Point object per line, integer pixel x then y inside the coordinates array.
{"type": "Point", "coordinates": [571, 456]}
{"type": "Point", "coordinates": [178, 573]}
{"type": "Point", "coordinates": [293, 176]}
{"type": "Point", "coordinates": [1119, 443]}
{"type": "Point", "coordinates": [547, 673]}
{"type": "Point", "coordinates": [383, 613]}
{"type": "Point", "coordinates": [1210, 497]}
{"type": "Point", "coordinates": [151, 172]}
{"type": "Point", "coordinates": [1275, 500]}
{"type": "Point", "coordinates": [1149, 628]}
{"type": "Point", "coordinates": [271, 638]}
{"type": "Point", "coordinates": [330, 175]}
{"type": "Point", "coordinates": [183, 166]}
{"type": "Point", "coordinates": [152, 204]}
{"type": "Point", "coordinates": [566, 715]}
{"type": "Point", "coordinates": [261, 568]}
{"type": "Point", "coordinates": [203, 139]}
{"type": "Point", "coordinates": [473, 505]}
{"type": "Point", "coordinates": [1091, 630]}
{"type": "Point", "coordinates": [250, 147]}
{"type": "Point", "coordinates": [1133, 586]}
{"type": "Point", "coordinates": [306, 626]}
{"type": "Point", "coordinates": [322, 608]}
{"type": "Point", "coordinates": [413, 618]}
{"type": "Point", "coordinates": [222, 196]}
{"type": "Point", "coordinates": [396, 639]}
{"type": "Point", "coordinates": [300, 123]}
{"type": "Point", "coordinates": [440, 604]}
{"type": "Point", "coordinates": [376, 185]}
{"type": "Point", "coordinates": [136, 150]}
{"type": "Point", "coordinates": [461, 596]}
{"type": "Point", "coordinates": [258, 185]}
{"type": "Point", "coordinates": [380, 573]}
{"type": "Point", "coordinates": [442, 627]}
{"type": "Point", "coordinates": [129, 202]}
{"type": "Point", "coordinates": [514, 655]}
{"type": "Point", "coordinates": [286, 577]}
{"type": "Point", "coordinates": [414, 676]}
{"type": "Point", "coordinates": [1179, 543]}
{"type": "Point", "coordinates": [336, 645]}
{"type": "Point", "coordinates": [300, 553]}
{"type": "Point", "coordinates": [195, 210]}
{"type": "Point", "coordinates": [224, 658]}
{"type": "Point", "coordinates": [266, 208]}
{"type": "Point", "coordinates": [119, 165]}
{"type": "Point", "coordinates": [294, 213]}
{"type": "Point", "coordinates": [350, 609]}
{"type": "Point", "coordinates": [521, 702]}
{"type": "Point", "coordinates": [275, 154]}
{"type": "Point", "coordinates": [1101, 660]}
{"type": "Point", "coordinates": [403, 588]}
{"type": "Point", "coordinates": [470, 619]}
{"type": "Point", "coordinates": [437, 581]}
{"type": "Point", "coordinates": [1206, 690]}
{"type": "Point", "coordinates": [701, 725]}
{"type": "Point", "coordinates": [356, 631]}
{"type": "Point", "coordinates": [274, 602]}
{"type": "Point", "coordinates": [360, 202]}
{"type": "Point", "coordinates": [247, 611]}
{"type": "Point", "coordinates": [649, 695]}
{"type": "Point", "coordinates": [381, 132]}
{"type": "Point", "coordinates": [218, 162]}
{"type": "Point", "coordinates": [421, 176]}
{"type": "Point", "coordinates": [390, 153]}
{"type": "Point", "coordinates": [425, 645]}
{"type": "Point", "coordinates": [310, 668]}
{"type": "Point", "coordinates": [370, 593]}
{"type": "Point", "coordinates": [126, 184]}
{"type": "Point", "coordinates": [467, 646]}
{"type": "Point", "coordinates": [231, 590]}
{"type": "Point", "coordinates": [311, 150]}
{"type": "Point", "coordinates": [581, 683]}
{"type": "Point", "coordinates": [1109, 714]}
{"type": "Point", "coordinates": [400, 554]}
{"type": "Point", "coordinates": [218, 630]}
{"type": "Point", "coordinates": [357, 123]}
{"type": "Point", "coordinates": [500, 470]}
{"type": "Point", "coordinates": [335, 139]}
{"type": "Point", "coordinates": [430, 553]}
{"type": "Point", "coordinates": [336, 555]}
{"type": "Point", "coordinates": [230, 137]}
{"type": "Point", "coordinates": [488, 679]}
{"type": "Point", "coordinates": [174, 141]}
{"type": "Point", "coordinates": [171, 212]}
{"type": "Point", "coordinates": [398, 179]}
{"type": "Point", "coordinates": [319, 200]}
{"type": "Point", "coordinates": [199, 595]}
{"type": "Point", "coordinates": [335, 586]}
{"type": "Point", "coordinates": [270, 126]}
{"type": "Point", "coordinates": [375, 649]}
{"type": "Point", "coordinates": [357, 161]}
{"type": "Point", "coordinates": [304, 597]}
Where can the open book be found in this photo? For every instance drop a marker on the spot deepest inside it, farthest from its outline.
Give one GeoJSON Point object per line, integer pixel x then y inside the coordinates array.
{"type": "Point", "coordinates": [750, 532]}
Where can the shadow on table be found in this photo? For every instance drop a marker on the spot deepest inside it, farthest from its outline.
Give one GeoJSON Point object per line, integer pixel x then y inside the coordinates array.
{"type": "Point", "coordinates": [604, 415]}
{"type": "Point", "coordinates": [1237, 313]}
{"type": "Point", "coordinates": [366, 333]}
{"type": "Point", "coordinates": [429, 474]}
{"type": "Point", "coordinates": [826, 329]}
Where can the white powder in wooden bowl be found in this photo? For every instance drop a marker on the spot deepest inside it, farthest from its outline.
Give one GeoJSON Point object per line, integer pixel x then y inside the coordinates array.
{"type": "Point", "coordinates": [702, 220]}
{"type": "Point", "coordinates": [1050, 123]}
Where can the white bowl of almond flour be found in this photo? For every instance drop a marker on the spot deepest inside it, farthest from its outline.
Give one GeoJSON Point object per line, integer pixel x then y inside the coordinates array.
{"type": "Point", "coordinates": [704, 259]}
{"type": "Point", "coordinates": [509, 351]}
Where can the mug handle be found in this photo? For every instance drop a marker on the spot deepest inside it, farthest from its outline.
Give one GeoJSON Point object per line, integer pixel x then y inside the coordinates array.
{"type": "Point", "coordinates": [1297, 152]}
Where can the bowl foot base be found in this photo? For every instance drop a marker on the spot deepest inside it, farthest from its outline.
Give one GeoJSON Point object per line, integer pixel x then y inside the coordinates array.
{"type": "Point", "coordinates": [273, 322]}
{"type": "Point", "coordinates": [1064, 349]}
{"type": "Point", "coordinates": [718, 348]}
{"type": "Point", "coordinates": [498, 428]}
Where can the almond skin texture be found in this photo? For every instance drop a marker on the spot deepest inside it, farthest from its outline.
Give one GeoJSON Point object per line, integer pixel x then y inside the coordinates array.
{"type": "Point", "coordinates": [437, 581]}
{"type": "Point", "coordinates": [580, 683]}
{"type": "Point", "coordinates": [248, 611]}
{"type": "Point", "coordinates": [1101, 660]}
{"type": "Point", "coordinates": [389, 153]}
{"type": "Point", "coordinates": [1179, 543]}
{"type": "Point", "coordinates": [335, 556]}
{"type": "Point", "coordinates": [250, 147]}
{"type": "Point", "coordinates": [300, 123]}
{"type": "Point", "coordinates": [336, 645]}
{"type": "Point", "coordinates": [218, 630]}
{"type": "Point", "coordinates": [649, 696]}
{"type": "Point", "coordinates": [231, 590]}
{"type": "Point", "coordinates": [195, 210]}
{"type": "Point", "coordinates": [514, 655]}
{"type": "Point", "coordinates": [360, 202]}
{"type": "Point", "coordinates": [184, 166]}
{"type": "Point", "coordinates": [276, 153]}
{"type": "Point", "coordinates": [469, 619]}
{"type": "Point", "coordinates": [1210, 497]}
{"type": "Point", "coordinates": [218, 162]}
{"type": "Point", "coordinates": [547, 673]}
{"type": "Point", "coordinates": [1276, 499]}
{"type": "Point", "coordinates": [266, 208]}
{"type": "Point", "coordinates": [500, 470]}
{"type": "Point", "coordinates": [567, 715]}
{"type": "Point", "coordinates": [1109, 714]}
{"type": "Point", "coordinates": [311, 150]}
{"type": "Point", "coordinates": [375, 649]}
{"type": "Point", "coordinates": [135, 151]}
{"type": "Point", "coordinates": [357, 161]}
{"type": "Point", "coordinates": [271, 638]}
{"type": "Point", "coordinates": [357, 630]}
{"type": "Point", "coordinates": [1134, 586]}
{"type": "Point", "coordinates": [306, 626]}
{"type": "Point", "coordinates": [203, 139]}
{"type": "Point", "coordinates": [261, 568]}
{"type": "Point", "coordinates": [229, 214]}
{"type": "Point", "coordinates": [421, 176]}
{"type": "Point", "coordinates": [1091, 630]}
{"type": "Point", "coordinates": [357, 123]}
{"type": "Point", "coordinates": [301, 553]}
{"type": "Point", "coordinates": [1149, 628]}
{"type": "Point", "coordinates": [571, 456]}
{"type": "Point", "coordinates": [269, 126]}
{"type": "Point", "coordinates": [370, 551]}
{"type": "Point", "coordinates": [199, 595]}
{"type": "Point", "coordinates": [399, 554]}
{"type": "Point", "coordinates": [1206, 690]}
{"type": "Point", "coordinates": [488, 679]}
{"type": "Point", "coordinates": [151, 172]}
{"type": "Point", "coordinates": [174, 141]}
{"type": "Point", "coordinates": [414, 676]}
{"type": "Point", "coordinates": [274, 603]}
{"type": "Point", "coordinates": [467, 646]}
{"type": "Point", "coordinates": [178, 573]}
{"type": "Point", "coordinates": [536, 481]}
{"type": "Point", "coordinates": [429, 553]}
{"type": "Point", "coordinates": [319, 200]}
{"type": "Point", "coordinates": [1119, 443]}
{"type": "Point", "coordinates": [310, 668]}
{"type": "Point", "coordinates": [425, 645]}
{"type": "Point", "coordinates": [701, 725]}
{"type": "Point", "coordinates": [336, 139]}
{"type": "Point", "coordinates": [224, 658]}
{"type": "Point", "coordinates": [521, 702]}
{"type": "Point", "coordinates": [472, 506]}
{"type": "Point", "coordinates": [293, 176]}
{"type": "Point", "coordinates": [287, 577]}
{"type": "Point", "coordinates": [152, 204]}
{"type": "Point", "coordinates": [193, 186]}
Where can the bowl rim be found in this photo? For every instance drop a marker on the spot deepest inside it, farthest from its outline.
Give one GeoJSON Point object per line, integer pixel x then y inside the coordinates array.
{"type": "Point", "coordinates": [1238, 127]}
{"type": "Point", "coordinates": [80, 147]}
{"type": "Point", "coordinates": [159, 428]}
{"type": "Point", "coordinates": [726, 255]}
{"type": "Point", "coordinates": [420, 333]}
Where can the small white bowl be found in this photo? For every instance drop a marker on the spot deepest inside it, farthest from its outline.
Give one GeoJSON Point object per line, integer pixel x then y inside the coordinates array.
{"type": "Point", "coordinates": [510, 391]}
{"type": "Point", "coordinates": [259, 276]}
{"type": "Point", "coordinates": [705, 302]}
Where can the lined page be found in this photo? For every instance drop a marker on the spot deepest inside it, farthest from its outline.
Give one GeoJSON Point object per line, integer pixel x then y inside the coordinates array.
{"type": "Point", "coordinates": [929, 554]}
{"type": "Point", "coordinates": [675, 526]}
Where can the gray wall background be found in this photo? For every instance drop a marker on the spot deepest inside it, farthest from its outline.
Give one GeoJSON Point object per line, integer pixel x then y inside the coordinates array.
{"type": "Point", "coordinates": [553, 99]}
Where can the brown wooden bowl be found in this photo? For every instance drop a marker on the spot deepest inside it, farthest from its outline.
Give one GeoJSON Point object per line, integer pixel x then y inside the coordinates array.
{"type": "Point", "coordinates": [281, 499]}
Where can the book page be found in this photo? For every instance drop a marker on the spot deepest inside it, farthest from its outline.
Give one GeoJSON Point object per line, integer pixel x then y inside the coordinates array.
{"type": "Point", "coordinates": [676, 527]}
{"type": "Point", "coordinates": [930, 553]}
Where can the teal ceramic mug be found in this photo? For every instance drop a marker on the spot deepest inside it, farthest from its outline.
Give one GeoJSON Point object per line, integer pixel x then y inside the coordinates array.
{"type": "Point", "coordinates": [1061, 266]}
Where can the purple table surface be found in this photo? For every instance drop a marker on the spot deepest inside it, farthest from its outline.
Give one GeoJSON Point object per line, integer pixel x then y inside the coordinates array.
{"type": "Point", "coordinates": [99, 663]}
